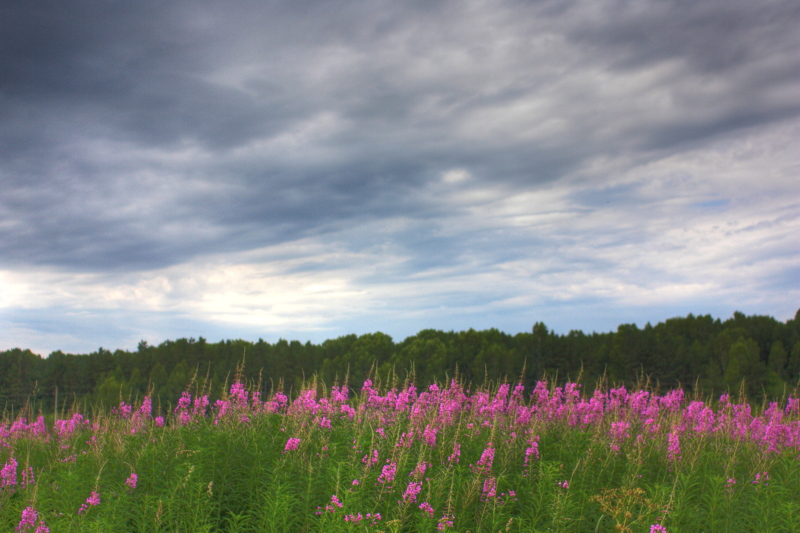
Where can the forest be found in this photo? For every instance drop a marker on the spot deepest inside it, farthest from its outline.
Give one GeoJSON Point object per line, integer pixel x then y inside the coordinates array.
{"type": "Point", "coordinates": [756, 355]}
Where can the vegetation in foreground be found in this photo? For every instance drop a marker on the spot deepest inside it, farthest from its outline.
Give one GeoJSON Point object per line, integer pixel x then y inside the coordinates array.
{"type": "Point", "coordinates": [396, 458]}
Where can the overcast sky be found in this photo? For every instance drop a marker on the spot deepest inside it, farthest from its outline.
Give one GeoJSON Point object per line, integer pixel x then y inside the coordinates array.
{"type": "Point", "coordinates": [309, 169]}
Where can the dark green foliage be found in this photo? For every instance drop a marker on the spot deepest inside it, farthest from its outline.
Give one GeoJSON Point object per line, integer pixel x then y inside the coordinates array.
{"type": "Point", "coordinates": [696, 352]}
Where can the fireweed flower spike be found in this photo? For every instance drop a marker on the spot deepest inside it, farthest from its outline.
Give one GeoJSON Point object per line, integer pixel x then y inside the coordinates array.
{"type": "Point", "coordinates": [372, 518]}
{"type": "Point", "coordinates": [485, 462]}
{"type": "Point", "coordinates": [92, 501]}
{"type": "Point", "coordinates": [331, 507]}
{"type": "Point", "coordinates": [446, 521]}
{"type": "Point", "coordinates": [27, 478]}
{"type": "Point", "coordinates": [674, 447]}
{"type": "Point", "coordinates": [30, 518]}
{"type": "Point", "coordinates": [411, 493]}
{"type": "Point", "coordinates": [532, 451]}
{"type": "Point", "coordinates": [388, 473]}
{"type": "Point", "coordinates": [413, 427]}
{"type": "Point", "coordinates": [456, 455]}
{"type": "Point", "coordinates": [427, 509]}
{"type": "Point", "coordinates": [8, 475]}
{"type": "Point", "coordinates": [369, 461]}
{"type": "Point", "coordinates": [489, 491]}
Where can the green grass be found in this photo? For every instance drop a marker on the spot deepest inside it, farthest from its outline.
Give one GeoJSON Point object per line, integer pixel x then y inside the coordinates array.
{"type": "Point", "coordinates": [236, 477]}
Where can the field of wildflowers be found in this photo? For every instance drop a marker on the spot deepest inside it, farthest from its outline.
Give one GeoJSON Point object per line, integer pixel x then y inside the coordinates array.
{"type": "Point", "coordinates": [395, 458]}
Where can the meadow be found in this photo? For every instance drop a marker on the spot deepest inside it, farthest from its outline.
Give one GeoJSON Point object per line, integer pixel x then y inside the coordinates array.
{"type": "Point", "coordinates": [394, 458]}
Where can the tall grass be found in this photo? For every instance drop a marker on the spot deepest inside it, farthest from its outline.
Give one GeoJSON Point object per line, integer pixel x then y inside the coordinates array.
{"type": "Point", "coordinates": [397, 459]}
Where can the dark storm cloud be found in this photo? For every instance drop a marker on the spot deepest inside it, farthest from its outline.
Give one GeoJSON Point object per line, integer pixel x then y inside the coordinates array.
{"type": "Point", "coordinates": [136, 135]}
{"type": "Point", "coordinates": [711, 36]}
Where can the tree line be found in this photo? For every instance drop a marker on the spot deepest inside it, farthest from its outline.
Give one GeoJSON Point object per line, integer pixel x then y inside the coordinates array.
{"type": "Point", "coordinates": [757, 354]}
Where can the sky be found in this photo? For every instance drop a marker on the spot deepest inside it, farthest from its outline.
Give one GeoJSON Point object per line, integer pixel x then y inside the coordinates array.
{"type": "Point", "coordinates": [310, 169]}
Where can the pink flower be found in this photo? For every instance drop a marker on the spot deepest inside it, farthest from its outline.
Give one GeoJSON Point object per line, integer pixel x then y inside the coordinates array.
{"type": "Point", "coordinates": [427, 508]}
{"type": "Point", "coordinates": [27, 478]}
{"type": "Point", "coordinates": [406, 439]}
{"type": "Point", "coordinates": [369, 461]}
{"type": "Point", "coordinates": [291, 444]}
{"type": "Point", "coordinates": [456, 455]}
{"type": "Point", "coordinates": [374, 518]}
{"type": "Point", "coordinates": [489, 489]}
{"type": "Point", "coordinates": [388, 473]}
{"type": "Point", "coordinates": [131, 481]}
{"type": "Point", "coordinates": [29, 516]}
{"type": "Point", "coordinates": [793, 406]}
{"type": "Point", "coordinates": [183, 402]}
{"type": "Point", "coordinates": [146, 409]}
{"type": "Point", "coordinates": [429, 435]}
{"type": "Point", "coordinates": [658, 528]}
{"type": "Point", "coordinates": [419, 471]}
{"type": "Point", "coordinates": [125, 410]}
{"type": "Point", "coordinates": [674, 447]}
{"type": "Point", "coordinates": [28, 521]}
{"type": "Point", "coordinates": [619, 433]}
{"type": "Point", "coordinates": [8, 475]}
{"type": "Point", "coordinates": [485, 462]}
{"type": "Point", "coordinates": [412, 491]}
{"type": "Point", "coordinates": [531, 451]}
{"type": "Point", "coordinates": [444, 522]}
{"type": "Point", "coordinates": [92, 501]}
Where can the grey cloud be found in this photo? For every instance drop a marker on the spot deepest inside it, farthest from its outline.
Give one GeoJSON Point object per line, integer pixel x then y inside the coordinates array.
{"type": "Point", "coordinates": [399, 81]}
{"type": "Point", "coordinates": [709, 36]}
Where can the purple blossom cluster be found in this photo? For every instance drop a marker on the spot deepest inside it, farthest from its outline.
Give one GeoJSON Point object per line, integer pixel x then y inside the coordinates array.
{"type": "Point", "coordinates": [336, 503]}
{"type": "Point", "coordinates": [31, 522]}
{"type": "Point", "coordinates": [371, 518]}
{"type": "Point", "coordinates": [484, 464]}
{"type": "Point", "coordinates": [92, 501]}
{"type": "Point", "coordinates": [641, 413]}
{"type": "Point", "coordinates": [445, 522]}
{"type": "Point", "coordinates": [430, 419]}
{"type": "Point", "coordinates": [412, 491]}
{"type": "Point", "coordinates": [388, 473]}
{"type": "Point", "coordinates": [21, 429]}
{"type": "Point", "coordinates": [532, 451]}
{"type": "Point", "coordinates": [8, 476]}
{"type": "Point", "coordinates": [291, 445]}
